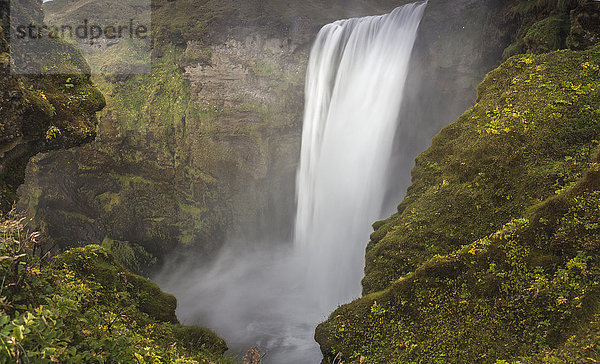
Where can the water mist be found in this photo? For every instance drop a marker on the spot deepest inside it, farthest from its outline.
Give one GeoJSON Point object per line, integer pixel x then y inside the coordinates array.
{"type": "Point", "coordinates": [274, 297]}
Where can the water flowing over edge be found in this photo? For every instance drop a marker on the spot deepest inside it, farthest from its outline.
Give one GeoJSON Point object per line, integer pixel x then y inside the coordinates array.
{"type": "Point", "coordinates": [354, 87]}
{"type": "Point", "coordinates": [274, 297]}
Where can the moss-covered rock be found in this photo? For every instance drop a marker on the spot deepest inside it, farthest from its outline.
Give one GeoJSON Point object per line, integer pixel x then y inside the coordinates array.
{"type": "Point", "coordinates": [492, 254]}
{"type": "Point", "coordinates": [530, 134]}
{"type": "Point", "coordinates": [547, 25]}
{"type": "Point", "coordinates": [82, 306]}
{"type": "Point", "coordinates": [585, 25]}
{"type": "Point", "coordinates": [97, 264]}
{"type": "Point", "coordinates": [199, 339]}
{"type": "Point", "coordinates": [547, 34]}
{"type": "Point", "coordinates": [40, 112]}
{"type": "Point", "coordinates": [131, 255]}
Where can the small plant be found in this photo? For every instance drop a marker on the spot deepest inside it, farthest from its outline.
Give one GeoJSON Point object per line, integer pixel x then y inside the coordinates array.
{"type": "Point", "coordinates": [377, 309]}
{"type": "Point", "coordinates": [52, 133]}
{"type": "Point", "coordinates": [69, 83]}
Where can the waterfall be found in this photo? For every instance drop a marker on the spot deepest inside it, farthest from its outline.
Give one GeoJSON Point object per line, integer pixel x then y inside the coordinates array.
{"type": "Point", "coordinates": [274, 295]}
{"type": "Point", "coordinates": [354, 89]}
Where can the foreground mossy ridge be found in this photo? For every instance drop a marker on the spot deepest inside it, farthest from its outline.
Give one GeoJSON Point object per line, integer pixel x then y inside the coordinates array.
{"type": "Point", "coordinates": [83, 306]}
{"type": "Point", "coordinates": [525, 294]}
{"type": "Point", "coordinates": [493, 252]}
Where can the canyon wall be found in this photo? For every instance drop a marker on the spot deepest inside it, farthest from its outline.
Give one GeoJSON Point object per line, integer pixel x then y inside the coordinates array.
{"type": "Point", "coordinates": [204, 149]}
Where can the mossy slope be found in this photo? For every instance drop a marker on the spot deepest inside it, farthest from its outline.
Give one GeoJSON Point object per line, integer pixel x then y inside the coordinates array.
{"type": "Point", "coordinates": [83, 306]}
{"type": "Point", "coordinates": [493, 251]}
{"type": "Point", "coordinates": [530, 134]}
{"type": "Point", "coordinates": [520, 291]}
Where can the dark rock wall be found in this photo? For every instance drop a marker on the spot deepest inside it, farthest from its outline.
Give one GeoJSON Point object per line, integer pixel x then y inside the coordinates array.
{"type": "Point", "coordinates": [40, 112]}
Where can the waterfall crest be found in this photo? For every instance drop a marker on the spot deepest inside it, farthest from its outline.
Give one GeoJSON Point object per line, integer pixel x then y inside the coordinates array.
{"type": "Point", "coordinates": [354, 88]}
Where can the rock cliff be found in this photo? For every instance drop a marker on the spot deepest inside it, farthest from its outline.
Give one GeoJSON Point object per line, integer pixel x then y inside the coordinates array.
{"type": "Point", "coordinates": [40, 113]}
{"type": "Point", "coordinates": [205, 148]}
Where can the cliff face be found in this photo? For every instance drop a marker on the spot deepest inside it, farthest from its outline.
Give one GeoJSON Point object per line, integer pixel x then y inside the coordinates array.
{"type": "Point", "coordinates": [491, 255]}
{"type": "Point", "coordinates": [183, 156]}
{"type": "Point", "coordinates": [80, 306]}
{"type": "Point", "coordinates": [40, 113]}
{"type": "Point", "coordinates": [206, 146]}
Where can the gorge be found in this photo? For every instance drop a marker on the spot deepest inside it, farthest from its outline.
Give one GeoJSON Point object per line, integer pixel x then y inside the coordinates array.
{"type": "Point", "coordinates": [274, 296]}
{"type": "Point", "coordinates": [244, 171]}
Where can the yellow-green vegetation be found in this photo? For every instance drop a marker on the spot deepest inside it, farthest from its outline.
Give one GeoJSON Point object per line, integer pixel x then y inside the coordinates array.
{"type": "Point", "coordinates": [493, 252]}
{"type": "Point", "coordinates": [581, 347]}
{"type": "Point", "coordinates": [83, 306]}
{"type": "Point", "coordinates": [531, 133]}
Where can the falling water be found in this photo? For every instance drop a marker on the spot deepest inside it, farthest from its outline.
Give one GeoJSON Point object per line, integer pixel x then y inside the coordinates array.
{"type": "Point", "coordinates": [354, 89]}
{"type": "Point", "coordinates": [274, 297]}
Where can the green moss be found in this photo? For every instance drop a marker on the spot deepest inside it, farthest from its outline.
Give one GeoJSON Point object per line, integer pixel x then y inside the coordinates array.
{"type": "Point", "coordinates": [490, 256]}
{"type": "Point", "coordinates": [532, 132]}
{"type": "Point", "coordinates": [108, 200]}
{"type": "Point", "coordinates": [131, 179]}
{"type": "Point", "coordinates": [199, 339]}
{"type": "Point", "coordinates": [141, 100]}
{"type": "Point", "coordinates": [547, 35]}
{"type": "Point", "coordinates": [37, 100]}
{"type": "Point", "coordinates": [201, 56]}
{"type": "Point", "coordinates": [581, 347]}
{"type": "Point", "coordinates": [132, 256]}
{"type": "Point", "coordinates": [191, 209]}
{"type": "Point", "coordinates": [81, 218]}
{"type": "Point", "coordinates": [267, 69]}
